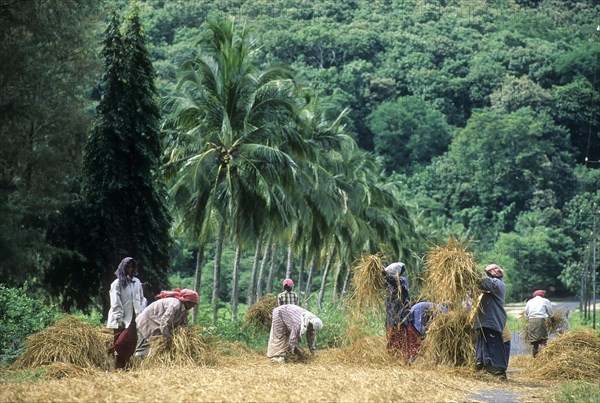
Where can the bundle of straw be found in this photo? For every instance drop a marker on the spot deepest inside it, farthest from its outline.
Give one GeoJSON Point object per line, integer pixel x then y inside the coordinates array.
{"type": "Point", "coordinates": [449, 341]}
{"type": "Point", "coordinates": [69, 341]}
{"type": "Point", "coordinates": [58, 370]}
{"type": "Point", "coordinates": [367, 283]}
{"type": "Point", "coordinates": [573, 355]}
{"type": "Point", "coordinates": [452, 275]}
{"type": "Point", "coordinates": [185, 347]}
{"type": "Point", "coordinates": [259, 315]}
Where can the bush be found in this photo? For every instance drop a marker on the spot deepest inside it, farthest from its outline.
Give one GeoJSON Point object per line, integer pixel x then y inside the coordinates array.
{"type": "Point", "coordinates": [20, 316]}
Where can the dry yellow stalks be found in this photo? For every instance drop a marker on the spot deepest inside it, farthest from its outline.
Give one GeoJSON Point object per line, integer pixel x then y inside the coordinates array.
{"type": "Point", "coordinates": [572, 355]}
{"type": "Point", "coordinates": [185, 347]}
{"type": "Point", "coordinates": [68, 341]}
{"type": "Point", "coordinates": [259, 315]}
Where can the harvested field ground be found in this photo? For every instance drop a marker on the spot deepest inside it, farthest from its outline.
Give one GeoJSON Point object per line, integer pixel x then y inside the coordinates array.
{"type": "Point", "coordinates": [241, 375]}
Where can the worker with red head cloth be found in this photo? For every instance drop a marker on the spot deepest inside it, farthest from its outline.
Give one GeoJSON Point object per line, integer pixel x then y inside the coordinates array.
{"type": "Point", "coordinates": [537, 310]}
{"type": "Point", "coordinates": [163, 316]}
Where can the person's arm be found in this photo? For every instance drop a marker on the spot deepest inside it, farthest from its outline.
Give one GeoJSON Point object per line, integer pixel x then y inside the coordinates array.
{"type": "Point", "coordinates": [549, 309]}
{"type": "Point", "coordinates": [294, 339]}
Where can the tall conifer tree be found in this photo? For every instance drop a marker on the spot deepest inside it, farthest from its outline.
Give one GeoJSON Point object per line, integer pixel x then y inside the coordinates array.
{"type": "Point", "coordinates": [125, 210]}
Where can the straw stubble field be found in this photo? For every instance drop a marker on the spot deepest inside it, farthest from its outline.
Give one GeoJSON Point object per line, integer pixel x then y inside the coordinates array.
{"type": "Point", "coordinates": [243, 375]}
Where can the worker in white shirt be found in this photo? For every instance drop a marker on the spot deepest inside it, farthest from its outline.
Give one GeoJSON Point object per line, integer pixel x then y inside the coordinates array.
{"type": "Point", "coordinates": [537, 310]}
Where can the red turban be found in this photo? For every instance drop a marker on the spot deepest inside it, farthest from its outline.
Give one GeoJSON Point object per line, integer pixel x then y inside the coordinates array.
{"type": "Point", "coordinates": [493, 270]}
{"type": "Point", "coordinates": [289, 282]}
{"type": "Point", "coordinates": [184, 295]}
{"type": "Point", "coordinates": [539, 293]}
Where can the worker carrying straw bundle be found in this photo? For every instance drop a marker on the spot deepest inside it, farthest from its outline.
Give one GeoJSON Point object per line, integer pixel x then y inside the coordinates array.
{"type": "Point", "coordinates": [163, 316]}
{"type": "Point", "coordinates": [490, 321]}
{"type": "Point", "coordinates": [289, 323]}
{"type": "Point", "coordinates": [397, 305]}
{"type": "Point", "coordinates": [537, 310]}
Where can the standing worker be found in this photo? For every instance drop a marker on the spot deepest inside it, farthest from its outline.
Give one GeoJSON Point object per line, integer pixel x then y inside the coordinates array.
{"type": "Point", "coordinates": [537, 310]}
{"type": "Point", "coordinates": [287, 296]}
{"type": "Point", "coordinates": [288, 325]}
{"type": "Point", "coordinates": [126, 299]}
{"type": "Point", "coordinates": [397, 306]}
{"type": "Point", "coordinates": [490, 321]}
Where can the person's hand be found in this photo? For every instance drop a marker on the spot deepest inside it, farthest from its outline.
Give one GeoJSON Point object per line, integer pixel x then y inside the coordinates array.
{"type": "Point", "coordinates": [120, 324]}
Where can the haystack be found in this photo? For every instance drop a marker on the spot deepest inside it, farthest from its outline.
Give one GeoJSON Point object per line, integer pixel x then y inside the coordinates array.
{"type": "Point", "coordinates": [69, 341]}
{"type": "Point", "coordinates": [449, 341]}
{"type": "Point", "coordinates": [451, 279]}
{"type": "Point", "coordinates": [365, 297]}
{"type": "Point", "coordinates": [259, 315]}
{"type": "Point", "coordinates": [185, 347]}
{"type": "Point", "coordinates": [367, 284]}
{"type": "Point", "coordinates": [451, 275]}
{"type": "Point", "coordinates": [572, 355]}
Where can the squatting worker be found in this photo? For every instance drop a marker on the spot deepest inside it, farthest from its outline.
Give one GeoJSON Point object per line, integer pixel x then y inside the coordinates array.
{"type": "Point", "coordinates": [419, 317]}
{"type": "Point", "coordinates": [288, 325]}
{"type": "Point", "coordinates": [163, 316]}
{"type": "Point", "coordinates": [287, 296]}
{"type": "Point", "coordinates": [126, 301]}
{"type": "Point", "coordinates": [489, 322]}
{"type": "Point", "coordinates": [537, 310]}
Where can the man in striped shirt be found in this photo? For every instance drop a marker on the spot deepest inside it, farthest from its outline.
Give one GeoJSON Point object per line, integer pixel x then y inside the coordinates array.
{"type": "Point", "coordinates": [289, 323]}
{"type": "Point", "coordinates": [287, 296]}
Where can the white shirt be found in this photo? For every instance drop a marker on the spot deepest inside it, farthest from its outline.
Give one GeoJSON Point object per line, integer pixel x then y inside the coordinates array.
{"type": "Point", "coordinates": [123, 301]}
{"type": "Point", "coordinates": [538, 307]}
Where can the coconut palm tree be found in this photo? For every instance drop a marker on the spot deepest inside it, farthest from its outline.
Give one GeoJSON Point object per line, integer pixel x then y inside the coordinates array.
{"type": "Point", "coordinates": [232, 117]}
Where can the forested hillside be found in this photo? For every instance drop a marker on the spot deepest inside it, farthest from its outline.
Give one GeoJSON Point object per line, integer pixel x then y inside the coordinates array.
{"type": "Point", "coordinates": [297, 136]}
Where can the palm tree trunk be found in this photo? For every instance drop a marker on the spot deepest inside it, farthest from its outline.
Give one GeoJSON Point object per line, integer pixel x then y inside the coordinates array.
{"type": "Point", "coordinates": [301, 272]}
{"type": "Point", "coordinates": [345, 287]}
{"type": "Point", "coordinates": [324, 278]}
{"type": "Point", "coordinates": [311, 269]}
{"type": "Point", "coordinates": [217, 272]}
{"type": "Point", "coordinates": [263, 266]}
{"type": "Point", "coordinates": [198, 280]}
{"type": "Point", "coordinates": [251, 286]}
{"type": "Point", "coordinates": [290, 258]}
{"type": "Point", "coordinates": [235, 281]}
{"type": "Point", "coordinates": [336, 278]}
{"type": "Point", "coordinates": [274, 249]}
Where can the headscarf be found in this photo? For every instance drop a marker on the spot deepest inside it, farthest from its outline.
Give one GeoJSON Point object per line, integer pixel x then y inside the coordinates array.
{"type": "Point", "coordinates": [121, 273]}
{"type": "Point", "coordinates": [184, 295]}
{"type": "Point", "coordinates": [397, 267]}
{"type": "Point", "coordinates": [289, 282]}
{"type": "Point", "coordinates": [540, 293]}
{"type": "Point", "coordinates": [495, 271]}
{"type": "Point", "coordinates": [309, 317]}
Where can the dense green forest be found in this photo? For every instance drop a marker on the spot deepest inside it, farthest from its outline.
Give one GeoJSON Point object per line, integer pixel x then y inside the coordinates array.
{"type": "Point", "coordinates": [228, 144]}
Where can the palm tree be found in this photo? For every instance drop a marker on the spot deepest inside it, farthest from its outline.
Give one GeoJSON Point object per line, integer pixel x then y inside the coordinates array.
{"type": "Point", "coordinates": [234, 118]}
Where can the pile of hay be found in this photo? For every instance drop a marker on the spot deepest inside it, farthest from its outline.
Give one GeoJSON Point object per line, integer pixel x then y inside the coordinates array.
{"type": "Point", "coordinates": [367, 283]}
{"type": "Point", "coordinates": [450, 341]}
{"type": "Point", "coordinates": [367, 350]}
{"type": "Point", "coordinates": [451, 279]}
{"type": "Point", "coordinates": [68, 341]}
{"type": "Point", "coordinates": [185, 347]}
{"type": "Point", "coordinates": [451, 275]}
{"type": "Point", "coordinates": [573, 355]}
{"type": "Point", "coordinates": [59, 370]}
{"type": "Point", "coordinates": [259, 315]}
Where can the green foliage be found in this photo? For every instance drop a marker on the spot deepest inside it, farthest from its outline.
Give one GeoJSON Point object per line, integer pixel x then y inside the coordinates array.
{"type": "Point", "coordinates": [123, 199]}
{"type": "Point", "coordinates": [579, 392]}
{"type": "Point", "coordinates": [408, 133]}
{"type": "Point", "coordinates": [20, 316]}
